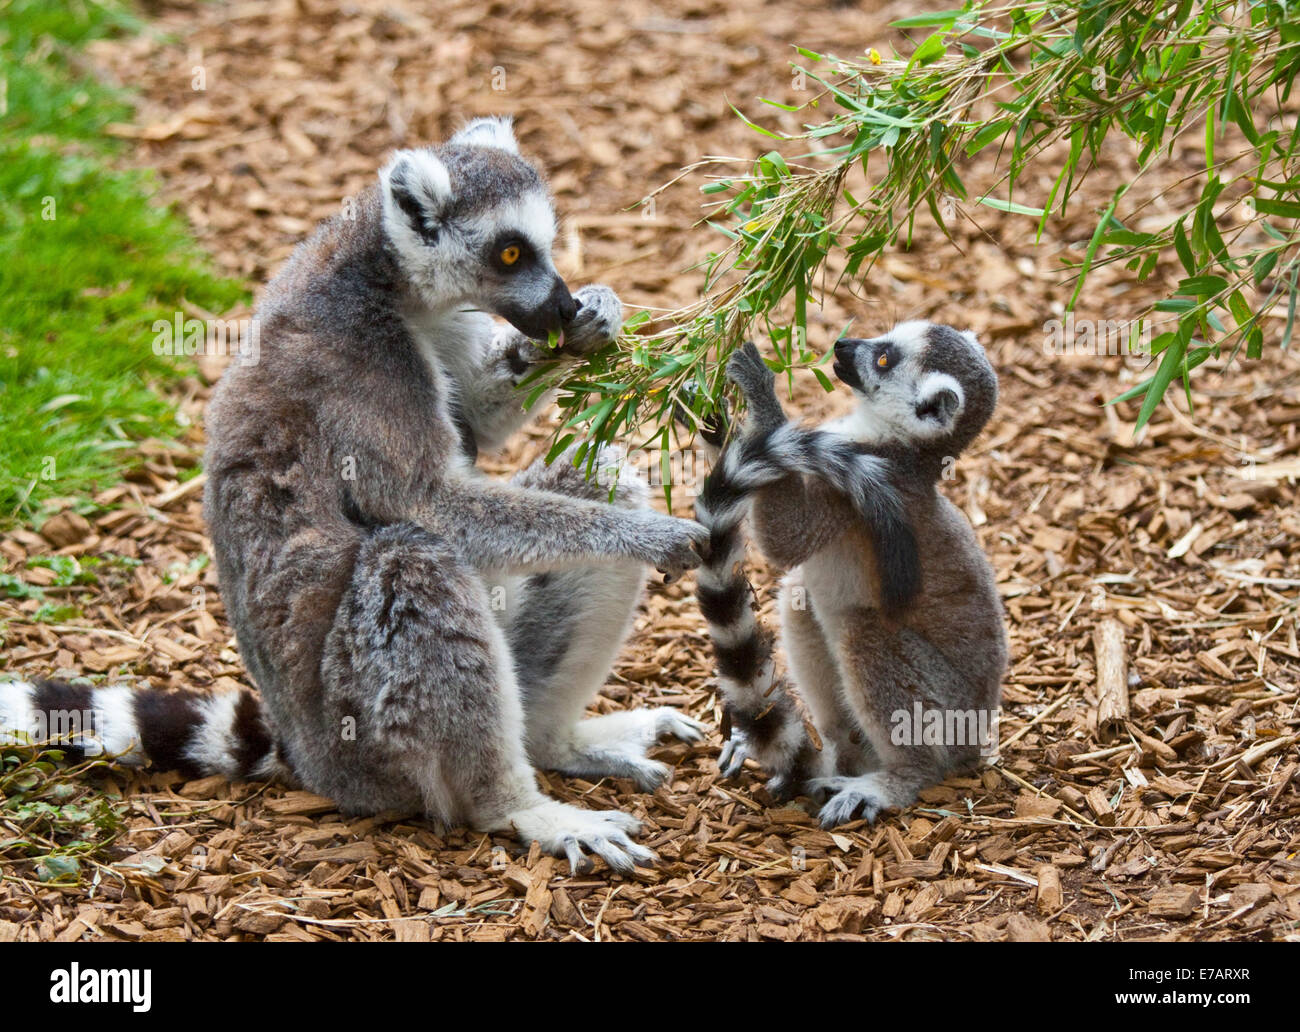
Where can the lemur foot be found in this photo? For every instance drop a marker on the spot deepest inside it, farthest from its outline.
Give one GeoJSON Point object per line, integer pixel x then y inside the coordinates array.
{"type": "Point", "coordinates": [735, 751]}
{"type": "Point", "coordinates": [564, 830]}
{"type": "Point", "coordinates": [671, 723]}
{"type": "Point", "coordinates": [597, 322]}
{"type": "Point", "coordinates": [865, 796]}
{"type": "Point", "coordinates": [776, 740]}
{"type": "Point", "coordinates": [785, 773]}
{"type": "Point", "coordinates": [615, 745]}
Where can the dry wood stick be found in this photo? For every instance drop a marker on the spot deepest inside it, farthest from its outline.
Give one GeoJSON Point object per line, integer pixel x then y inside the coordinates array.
{"type": "Point", "coordinates": [1112, 677]}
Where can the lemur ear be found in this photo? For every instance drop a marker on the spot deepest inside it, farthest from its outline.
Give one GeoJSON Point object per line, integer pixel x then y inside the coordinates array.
{"type": "Point", "coordinates": [417, 191]}
{"type": "Point", "coordinates": [941, 406]}
{"type": "Point", "coordinates": [488, 132]}
{"type": "Point", "coordinates": [940, 399]}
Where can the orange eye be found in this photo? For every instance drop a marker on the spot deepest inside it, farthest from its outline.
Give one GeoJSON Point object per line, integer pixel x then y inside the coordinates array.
{"type": "Point", "coordinates": [883, 360]}
{"type": "Point", "coordinates": [510, 255]}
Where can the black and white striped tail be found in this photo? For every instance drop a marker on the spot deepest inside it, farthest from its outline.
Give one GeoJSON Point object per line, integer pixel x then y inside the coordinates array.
{"type": "Point", "coordinates": [760, 719]}
{"type": "Point", "coordinates": [199, 735]}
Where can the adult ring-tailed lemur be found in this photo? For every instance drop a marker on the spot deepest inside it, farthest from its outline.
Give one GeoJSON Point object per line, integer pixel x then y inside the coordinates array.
{"type": "Point", "coordinates": [423, 637]}
{"type": "Point", "coordinates": [889, 610]}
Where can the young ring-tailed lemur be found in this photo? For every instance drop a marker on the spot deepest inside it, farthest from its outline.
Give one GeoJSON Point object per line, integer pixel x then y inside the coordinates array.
{"type": "Point", "coordinates": [881, 619]}
{"type": "Point", "coordinates": [422, 636]}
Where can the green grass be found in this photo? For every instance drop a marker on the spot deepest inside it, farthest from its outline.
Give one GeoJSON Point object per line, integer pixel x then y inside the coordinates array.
{"type": "Point", "coordinates": [79, 292]}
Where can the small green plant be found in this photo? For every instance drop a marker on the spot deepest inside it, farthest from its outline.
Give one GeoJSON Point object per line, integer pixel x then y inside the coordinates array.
{"type": "Point", "coordinates": [1046, 85]}
{"type": "Point", "coordinates": [184, 567]}
{"type": "Point", "coordinates": [14, 586]}
{"type": "Point", "coordinates": [52, 822]}
{"type": "Point", "coordinates": [70, 572]}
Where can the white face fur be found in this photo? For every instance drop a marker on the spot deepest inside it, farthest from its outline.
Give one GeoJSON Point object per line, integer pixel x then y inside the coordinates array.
{"type": "Point", "coordinates": [473, 226]}
{"type": "Point", "coordinates": [902, 397]}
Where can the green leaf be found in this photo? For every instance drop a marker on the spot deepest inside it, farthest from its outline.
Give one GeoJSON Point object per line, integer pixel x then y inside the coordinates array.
{"type": "Point", "coordinates": [666, 467]}
{"type": "Point", "coordinates": [54, 613]}
{"type": "Point", "coordinates": [1169, 366]}
{"type": "Point", "coordinates": [1239, 308]}
{"type": "Point", "coordinates": [1011, 206]}
{"type": "Point", "coordinates": [1093, 244]}
{"type": "Point", "coordinates": [1209, 139]}
{"type": "Point", "coordinates": [993, 131]}
{"type": "Point", "coordinates": [1183, 248]}
{"type": "Point", "coordinates": [1292, 297]}
{"type": "Point", "coordinates": [1272, 206]}
{"type": "Point", "coordinates": [943, 19]}
{"type": "Point", "coordinates": [59, 869]}
{"type": "Point", "coordinates": [1128, 238]}
{"type": "Point", "coordinates": [755, 127]}
{"type": "Point", "coordinates": [1202, 286]}
{"type": "Point", "coordinates": [929, 51]}
{"type": "Point", "coordinates": [1263, 266]}
{"type": "Point", "coordinates": [557, 449]}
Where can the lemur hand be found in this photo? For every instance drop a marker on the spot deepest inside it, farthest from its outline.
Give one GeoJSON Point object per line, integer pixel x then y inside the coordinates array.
{"type": "Point", "coordinates": [671, 545]}
{"type": "Point", "coordinates": [747, 370]}
{"type": "Point", "coordinates": [597, 322]}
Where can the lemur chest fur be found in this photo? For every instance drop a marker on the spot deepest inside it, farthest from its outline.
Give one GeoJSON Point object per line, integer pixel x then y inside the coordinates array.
{"type": "Point", "coordinates": [450, 367]}
{"type": "Point", "coordinates": [842, 576]}
{"type": "Point", "coordinates": [433, 333]}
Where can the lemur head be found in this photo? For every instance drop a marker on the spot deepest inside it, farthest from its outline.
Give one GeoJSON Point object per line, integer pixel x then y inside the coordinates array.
{"type": "Point", "coordinates": [922, 385]}
{"type": "Point", "coordinates": [472, 223]}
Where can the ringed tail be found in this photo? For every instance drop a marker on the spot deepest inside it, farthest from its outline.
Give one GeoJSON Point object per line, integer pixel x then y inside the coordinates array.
{"type": "Point", "coordinates": [222, 733]}
{"type": "Point", "coordinates": [758, 708]}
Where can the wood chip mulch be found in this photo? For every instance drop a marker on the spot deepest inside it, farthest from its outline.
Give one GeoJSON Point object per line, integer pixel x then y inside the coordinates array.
{"type": "Point", "coordinates": [1178, 820]}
